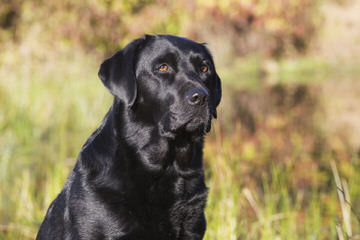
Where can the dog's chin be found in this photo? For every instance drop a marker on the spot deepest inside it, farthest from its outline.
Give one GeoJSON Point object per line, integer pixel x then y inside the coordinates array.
{"type": "Point", "coordinates": [196, 127]}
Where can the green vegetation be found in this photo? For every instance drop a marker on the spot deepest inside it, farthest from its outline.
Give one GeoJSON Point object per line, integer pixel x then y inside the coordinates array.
{"type": "Point", "coordinates": [283, 159]}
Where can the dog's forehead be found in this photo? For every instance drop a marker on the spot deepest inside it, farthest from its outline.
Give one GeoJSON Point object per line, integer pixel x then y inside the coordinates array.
{"type": "Point", "coordinates": [167, 43]}
{"type": "Point", "coordinates": [181, 42]}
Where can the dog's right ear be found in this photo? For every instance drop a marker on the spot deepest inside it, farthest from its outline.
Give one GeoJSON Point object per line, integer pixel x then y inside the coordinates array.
{"type": "Point", "coordinates": [117, 73]}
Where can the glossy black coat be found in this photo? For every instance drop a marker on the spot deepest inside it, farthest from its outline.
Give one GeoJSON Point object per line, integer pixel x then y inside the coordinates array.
{"type": "Point", "coordinates": [139, 176]}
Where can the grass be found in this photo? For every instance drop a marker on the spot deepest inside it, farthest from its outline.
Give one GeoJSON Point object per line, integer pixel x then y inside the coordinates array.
{"type": "Point", "coordinates": [272, 207]}
{"type": "Point", "coordinates": [276, 183]}
{"type": "Point", "coordinates": [46, 115]}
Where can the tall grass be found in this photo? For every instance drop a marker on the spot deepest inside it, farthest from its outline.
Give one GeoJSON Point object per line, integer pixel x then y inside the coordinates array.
{"type": "Point", "coordinates": [264, 185]}
{"type": "Point", "coordinates": [48, 109]}
{"type": "Point", "coordinates": [271, 207]}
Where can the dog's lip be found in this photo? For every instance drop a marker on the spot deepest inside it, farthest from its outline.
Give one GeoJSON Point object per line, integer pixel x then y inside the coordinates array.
{"type": "Point", "coordinates": [196, 124]}
{"type": "Point", "coordinates": [172, 132]}
{"type": "Point", "coordinates": [201, 124]}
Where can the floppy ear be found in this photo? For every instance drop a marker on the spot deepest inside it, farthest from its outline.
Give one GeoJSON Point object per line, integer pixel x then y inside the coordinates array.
{"type": "Point", "coordinates": [217, 94]}
{"type": "Point", "coordinates": [117, 73]}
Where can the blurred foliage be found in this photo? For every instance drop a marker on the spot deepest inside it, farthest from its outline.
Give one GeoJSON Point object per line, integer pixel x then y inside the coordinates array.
{"type": "Point", "coordinates": [274, 28]}
{"type": "Point", "coordinates": [277, 151]}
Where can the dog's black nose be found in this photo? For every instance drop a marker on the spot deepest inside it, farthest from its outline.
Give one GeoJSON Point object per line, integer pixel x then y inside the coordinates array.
{"type": "Point", "coordinates": [197, 96]}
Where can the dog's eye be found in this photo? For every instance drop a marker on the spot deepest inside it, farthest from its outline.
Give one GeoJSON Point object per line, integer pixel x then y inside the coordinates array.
{"type": "Point", "coordinates": [204, 68]}
{"type": "Point", "coordinates": [163, 68]}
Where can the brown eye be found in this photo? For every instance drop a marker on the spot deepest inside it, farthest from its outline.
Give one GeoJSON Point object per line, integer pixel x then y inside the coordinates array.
{"type": "Point", "coordinates": [204, 68]}
{"type": "Point", "coordinates": [163, 68]}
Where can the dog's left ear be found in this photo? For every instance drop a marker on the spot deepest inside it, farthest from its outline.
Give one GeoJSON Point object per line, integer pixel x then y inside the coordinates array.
{"type": "Point", "coordinates": [117, 73]}
{"type": "Point", "coordinates": [216, 94]}
{"type": "Point", "coordinates": [216, 90]}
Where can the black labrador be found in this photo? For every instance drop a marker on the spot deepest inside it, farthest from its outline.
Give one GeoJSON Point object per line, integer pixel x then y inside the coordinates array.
{"type": "Point", "coordinates": [139, 176]}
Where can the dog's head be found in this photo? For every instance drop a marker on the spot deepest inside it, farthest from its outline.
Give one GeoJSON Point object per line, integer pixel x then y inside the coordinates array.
{"type": "Point", "coordinates": [165, 80]}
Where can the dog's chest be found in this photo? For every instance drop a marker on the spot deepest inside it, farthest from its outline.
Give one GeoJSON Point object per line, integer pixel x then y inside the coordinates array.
{"type": "Point", "coordinates": [173, 208]}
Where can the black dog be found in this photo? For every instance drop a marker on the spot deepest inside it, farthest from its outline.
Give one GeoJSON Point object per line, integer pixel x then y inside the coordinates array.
{"type": "Point", "coordinates": [139, 176]}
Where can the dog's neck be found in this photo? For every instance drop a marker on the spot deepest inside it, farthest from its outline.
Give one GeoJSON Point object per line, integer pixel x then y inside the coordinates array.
{"type": "Point", "coordinates": [158, 152]}
{"type": "Point", "coordinates": [132, 146]}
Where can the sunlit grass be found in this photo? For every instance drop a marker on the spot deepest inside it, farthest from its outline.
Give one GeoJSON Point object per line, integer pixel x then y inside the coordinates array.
{"type": "Point", "coordinates": [273, 208]}
{"type": "Point", "coordinates": [47, 112]}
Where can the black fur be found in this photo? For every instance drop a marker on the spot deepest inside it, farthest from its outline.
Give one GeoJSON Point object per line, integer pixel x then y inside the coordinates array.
{"type": "Point", "coordinates": [139, 176]}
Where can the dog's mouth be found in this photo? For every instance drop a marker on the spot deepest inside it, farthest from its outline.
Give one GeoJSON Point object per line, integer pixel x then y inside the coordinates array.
{"type": "Point", "coordinates": [171, 126]}
{"type": "Point", "coordinates": [196, 124]}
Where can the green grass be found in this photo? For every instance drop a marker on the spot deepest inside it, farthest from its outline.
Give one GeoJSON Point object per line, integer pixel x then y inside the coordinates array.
{"type": "Point", "coordinates": [47, 113]}
{"type": "Point", "coordinates": [50, 106]}
{"type": "Point", "coordinates": [243, 206]}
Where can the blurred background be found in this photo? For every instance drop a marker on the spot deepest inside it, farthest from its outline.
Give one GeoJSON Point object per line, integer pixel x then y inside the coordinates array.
{"type": "Point", "coordinates": [283, 158]}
